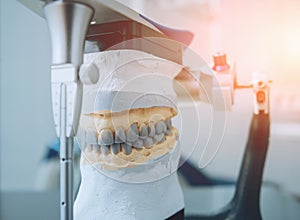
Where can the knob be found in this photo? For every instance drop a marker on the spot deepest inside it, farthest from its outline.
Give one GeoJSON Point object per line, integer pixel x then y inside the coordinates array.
{"type": "Point", "coordinates": [220, 62]}
{"type": "Point", "coordinates": [89, 74]}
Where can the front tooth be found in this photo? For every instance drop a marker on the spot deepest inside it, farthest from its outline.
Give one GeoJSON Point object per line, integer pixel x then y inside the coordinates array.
{"type": "Point", "coordinates": [104, 149]}
{"type": "Point", "coordinates": [159, 138]}
{"type": "Point", "coordinates": [148, 142]}
{"type": "Point", "coordinates": [143, 131]}
{"type": "Point", "coordinates": [126, 148]}
{"type": "Point", "coordinates": [91, 136]}
{"type": "Point", "coordinates": [160, 127]}
{"type": "Point", "coordinates": [120, 136]}
{"type": "Point", "coordinates": [132, 133]}
{"type": "Point", "coordinates": [96, 148]}
{"type": "Point", "coordinates": [115, 148]}
{"type": "Point", "coordinates": [151, 131]}
{"type": "Point", "coordinates": [138, 144]}
{"type": "Point", "coordinates": [106, 137]}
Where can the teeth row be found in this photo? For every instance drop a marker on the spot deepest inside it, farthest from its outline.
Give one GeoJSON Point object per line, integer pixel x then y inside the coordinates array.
{"type": "Point", "coordinates": [121, 140]}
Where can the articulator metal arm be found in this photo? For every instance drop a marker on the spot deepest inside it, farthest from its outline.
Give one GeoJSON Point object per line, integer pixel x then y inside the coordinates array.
{"type": "Point", "coordinates": [68, 23]}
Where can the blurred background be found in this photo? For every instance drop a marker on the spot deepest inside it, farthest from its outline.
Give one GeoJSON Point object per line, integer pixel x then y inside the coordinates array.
{"type": "Point", "coordinates": [259, 35]}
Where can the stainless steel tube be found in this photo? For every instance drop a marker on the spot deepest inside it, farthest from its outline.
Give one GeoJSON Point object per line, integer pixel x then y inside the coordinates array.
{"type": "Point", "coordinates": [66, 179]}
{"type": "Point", "coordinates": [66, 162]}
{"type": "Point", "coordinates": [68, 23]}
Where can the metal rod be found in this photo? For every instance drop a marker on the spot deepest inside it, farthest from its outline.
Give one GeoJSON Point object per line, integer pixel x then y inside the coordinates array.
{"type": "Point", "coordinates": [68, 23]}
{"type": "Point", "coordinates": [66, 180]}
{"type": "Point", "coordinates": [66, 162]}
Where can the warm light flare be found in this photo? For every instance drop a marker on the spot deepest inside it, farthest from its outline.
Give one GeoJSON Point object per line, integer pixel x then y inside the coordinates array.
{"type": "Point", "coordinates": [292, 43]}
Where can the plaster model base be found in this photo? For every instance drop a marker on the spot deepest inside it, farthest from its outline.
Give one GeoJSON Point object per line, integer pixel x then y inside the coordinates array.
{"type": "Point", "coordinates": [149, 191]}
{"type": "Point", "coordinates": [130, 150]}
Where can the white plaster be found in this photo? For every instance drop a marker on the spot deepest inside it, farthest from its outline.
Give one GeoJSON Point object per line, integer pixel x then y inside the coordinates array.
{"type": "Point", "coordinates": [130, 79]}
{"type": "Point", "coordinates": [147, 191]}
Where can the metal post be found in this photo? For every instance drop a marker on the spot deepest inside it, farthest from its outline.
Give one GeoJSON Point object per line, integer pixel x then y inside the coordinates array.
{"type": "Point", "coordinates": [68, 23]}
{"type": "Point", "coordinates": [66, 163]}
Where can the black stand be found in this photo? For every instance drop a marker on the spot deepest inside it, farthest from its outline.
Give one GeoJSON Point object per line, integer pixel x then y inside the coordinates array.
{"type": "Point", "coordinates": [245, 204]}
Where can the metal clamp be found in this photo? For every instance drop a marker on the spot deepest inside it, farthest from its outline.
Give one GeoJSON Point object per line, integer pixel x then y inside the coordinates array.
{"type": "Point", "coordinates": [66, 93]}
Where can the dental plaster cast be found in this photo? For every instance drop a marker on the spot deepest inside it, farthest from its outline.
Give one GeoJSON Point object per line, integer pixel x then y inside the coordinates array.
{"type": "Point", "coordinates": [130, 150]}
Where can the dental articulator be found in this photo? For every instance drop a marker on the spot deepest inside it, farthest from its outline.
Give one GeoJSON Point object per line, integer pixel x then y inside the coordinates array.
{"type": "Point", "coordinates": [103, 24]}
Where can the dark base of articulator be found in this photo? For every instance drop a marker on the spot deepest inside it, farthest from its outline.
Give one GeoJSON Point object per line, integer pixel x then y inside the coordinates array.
{"type": "Point", "coordinates": [177, 216]}
{"type": "Point", "coordinates": [245, 203]}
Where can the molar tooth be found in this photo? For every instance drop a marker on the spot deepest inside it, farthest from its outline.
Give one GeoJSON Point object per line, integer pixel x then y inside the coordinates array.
{"type": "Point", "coordinates": [126, 148]}
{"type": "Point", "coordinates": [132, 133]}
{"type": "Point", "coordinates": [148, 142]}
{"type": "Point", "coordinates": [138, 144]}
{"type": "Point", "coordinates": [104, 149]}
{"type": "Point", "coordinates": [91, 136]}
{"type": "Point", "coordinates": [106, 137]}
{"type": "Point", "coordinates": [143, 131]}
{"type": "Point", "coordinates": [151, 130]}
{"type": "Point", "coordinates": [169, 124]}
{"type": "Point", "coordinates": [159, 138]}
{"type": "Point", "coordinates": [120, 136]}
{"type": "Point", "coordinates": [115, 148]}
{"type": "Point", "coordinates": [160, 127]}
